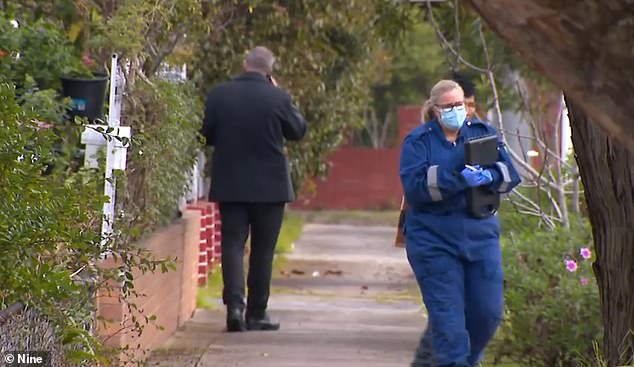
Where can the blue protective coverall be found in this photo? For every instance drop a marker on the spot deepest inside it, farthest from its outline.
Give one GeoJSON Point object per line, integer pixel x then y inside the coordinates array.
{"type": "Point", "coordinates": [456, 257]}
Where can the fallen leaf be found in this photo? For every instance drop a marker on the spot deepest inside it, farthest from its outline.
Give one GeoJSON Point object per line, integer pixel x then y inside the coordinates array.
{"type": "Point", "coordinates": [333, 272]}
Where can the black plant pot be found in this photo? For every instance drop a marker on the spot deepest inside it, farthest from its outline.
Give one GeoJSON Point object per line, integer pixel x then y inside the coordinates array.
{"type": "Point", "coordinates": [88, 94]}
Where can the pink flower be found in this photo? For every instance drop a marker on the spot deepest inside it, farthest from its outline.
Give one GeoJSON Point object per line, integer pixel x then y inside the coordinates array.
{"type": "Point", "coordinates": [87, 60]}
{"type": "Point", "coordinates": [584, 281]}
{"type": "Point", "coordinates": [585, 253]}
{"type": "Point", "coordinates": [571, 265]}
{"type": "Point", "coordinates": [43, 125]}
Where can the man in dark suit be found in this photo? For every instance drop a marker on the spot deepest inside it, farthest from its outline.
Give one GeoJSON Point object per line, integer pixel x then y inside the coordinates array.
{"type": "Point", "coordinates": [247, 120]}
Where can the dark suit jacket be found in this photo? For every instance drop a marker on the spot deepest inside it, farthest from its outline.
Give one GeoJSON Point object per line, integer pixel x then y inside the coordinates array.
{"type": "Point", "coordinates": [247, 120]}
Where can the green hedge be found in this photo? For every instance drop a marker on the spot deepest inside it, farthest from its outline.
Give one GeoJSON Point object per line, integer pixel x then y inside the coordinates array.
{"type": "Point", "coordinates": [49, 224]}
{"type": "Point", "coordinates": [165, 118]}
{"type": "Point", "coordinates": [50, 206]}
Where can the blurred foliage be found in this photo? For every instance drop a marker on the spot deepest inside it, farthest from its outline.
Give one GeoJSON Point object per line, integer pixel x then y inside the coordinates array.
{"type": "Point", "coordinates": [50, 238]}
{"type": "Point", "coordinates": [409, 70]}
{"type": "Point", "coordinates": [50, 220]}
{"type": "Point", "coordinates": [165, 117]}
{"type": "Point", "coordinates": [36, 51]}
{"type": "Point", "coordinates": [140, 31]}
{"type": "Point", "coordinates": [551, 312]}
{"type": "Point", "coordinates": [324, 58]}
{"type": "Point", "coordinates": [478, 45]}
{"type": "Point", "coordinates": [51, 206]}
{"type": "Point", "coordinates": [411, 67]}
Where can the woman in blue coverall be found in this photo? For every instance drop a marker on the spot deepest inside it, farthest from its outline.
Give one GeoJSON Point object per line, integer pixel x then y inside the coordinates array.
{"type": "Point", "coordinates": [455, 256]}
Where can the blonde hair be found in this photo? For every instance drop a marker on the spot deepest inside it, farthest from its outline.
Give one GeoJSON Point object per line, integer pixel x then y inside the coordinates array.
{"type": "Point", "coordinates": [437, 90]}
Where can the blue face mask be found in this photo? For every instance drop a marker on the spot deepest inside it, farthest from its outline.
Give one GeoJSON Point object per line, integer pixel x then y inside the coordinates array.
{"type": "Point", "coordinates": [453, 118]}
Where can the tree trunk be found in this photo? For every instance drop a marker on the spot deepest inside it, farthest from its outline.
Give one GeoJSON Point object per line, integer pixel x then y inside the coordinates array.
{"type": "Point", "coordinates": [607, 172]}
{"type": "Point", "coordinates": [584, 46]}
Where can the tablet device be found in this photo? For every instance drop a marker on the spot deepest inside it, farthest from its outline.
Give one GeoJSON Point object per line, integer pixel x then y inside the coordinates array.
{"type": "Point", "coordinates": [482, 151]}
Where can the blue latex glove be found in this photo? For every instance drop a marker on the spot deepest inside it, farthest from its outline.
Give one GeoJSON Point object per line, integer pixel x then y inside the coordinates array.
{"type": "Point", "coordinates": [475, 176]}
{"type": "Point", "coordinates": [487, 176]}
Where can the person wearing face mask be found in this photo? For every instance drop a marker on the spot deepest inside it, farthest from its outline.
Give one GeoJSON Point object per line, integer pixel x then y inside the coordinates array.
{"type": "Point", "coordinates": [424, 356]}
{"type": "Point", "coordinates": [455, 256]}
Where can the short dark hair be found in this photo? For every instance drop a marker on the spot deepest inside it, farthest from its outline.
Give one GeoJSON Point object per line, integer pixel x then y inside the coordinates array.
{"type": "Point", "coordinates": [465, 82]}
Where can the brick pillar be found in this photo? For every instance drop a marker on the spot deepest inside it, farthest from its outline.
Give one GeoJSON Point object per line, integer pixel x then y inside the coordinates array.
{"type": "Point", "coordinates": [216, 236]}
{"type": "Point", "coordinates": [209, 232]}
{"type": "Point", "coordinates": [111, 310]}
{"type": "Point", "coordinates": [202, 244]}
{"type": "Point", "coordinates": [189, 284]}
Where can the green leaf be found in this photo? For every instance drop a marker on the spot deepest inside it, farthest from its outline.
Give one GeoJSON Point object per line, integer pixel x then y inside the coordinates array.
{"type": "Point", "coordinates": [75, 30]}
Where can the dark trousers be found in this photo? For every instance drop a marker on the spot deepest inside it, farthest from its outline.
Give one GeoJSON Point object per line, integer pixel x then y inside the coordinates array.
{"type": "Point", "coordinates": [263, 222]}
{"type": "Point", "coordinates": [424, 356]}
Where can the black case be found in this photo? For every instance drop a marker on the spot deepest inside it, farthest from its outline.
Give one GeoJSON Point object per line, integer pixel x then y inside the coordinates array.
{"type": "Point", "coordinates": [482, 151]}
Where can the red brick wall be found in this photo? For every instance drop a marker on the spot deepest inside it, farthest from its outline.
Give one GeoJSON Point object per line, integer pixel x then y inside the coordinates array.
{"type": "Point", "coordinates": [363, 178]}
{"type": "Point", "coordinates": [360, 178]}
{"type": "Point", "coordinates": [408, 119]}
{"type": "Point", "coordinates": [170, 296]}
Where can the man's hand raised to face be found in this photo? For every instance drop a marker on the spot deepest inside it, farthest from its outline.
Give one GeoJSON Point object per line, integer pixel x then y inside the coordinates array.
{"type": "Point", "coordinates": [272, 80]}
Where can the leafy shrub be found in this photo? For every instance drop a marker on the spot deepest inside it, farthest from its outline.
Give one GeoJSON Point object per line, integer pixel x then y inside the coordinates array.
{"type": "Point", "coordinates": [32, 58]}
{"type": "Point", "coordinates": [49, 224]}
{"type": "Point", "coordinates": [165, 118]}
{"type": "Point", "coordinates": [50, 236]}
{"type": "Point", "coordinates": [50, 219]}
{"type": "Point", "coordinates": [37, 50]}
{"type": "Point", "coordinates": [552, 299]}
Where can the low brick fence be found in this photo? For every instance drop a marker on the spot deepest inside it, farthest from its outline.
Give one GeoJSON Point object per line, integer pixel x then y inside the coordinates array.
{"type": "Point", "coordinates": [170, 296]}
{"type": "Point", "coordinates": [209, 239]}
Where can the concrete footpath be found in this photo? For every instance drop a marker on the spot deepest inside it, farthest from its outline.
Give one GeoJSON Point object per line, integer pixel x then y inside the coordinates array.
{"type": "Point", "coordinates": [345, 298]}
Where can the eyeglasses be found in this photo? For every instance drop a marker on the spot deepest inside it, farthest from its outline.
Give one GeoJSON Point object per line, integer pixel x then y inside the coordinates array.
{"type": "Point", "coordinates": [450, 106]}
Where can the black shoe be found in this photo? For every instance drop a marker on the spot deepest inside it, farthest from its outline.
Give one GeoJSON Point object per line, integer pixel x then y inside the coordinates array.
{"type": "Point", "coordinates": [262, 323]}
{"type": "Point", "coordinates": [235, 320]}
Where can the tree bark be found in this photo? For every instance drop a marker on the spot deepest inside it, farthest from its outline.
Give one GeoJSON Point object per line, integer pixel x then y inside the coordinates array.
{"type": "Point", "coordinates": [607, 172]}
{"type": "Point", "coordinates": [584, 46]}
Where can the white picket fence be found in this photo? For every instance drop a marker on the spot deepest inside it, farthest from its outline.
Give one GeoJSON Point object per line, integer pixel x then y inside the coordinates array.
{"type": "Point", "coordinates": [197, 184]}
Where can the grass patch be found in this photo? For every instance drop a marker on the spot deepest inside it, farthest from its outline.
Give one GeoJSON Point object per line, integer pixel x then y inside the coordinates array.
{"type": "Point", "coordinates": [289, 233]}
{"type": "Point", "coordinates": [351, 217]}
{"type": "Point", "coordinates": [409, 294]}
{"type": "Point", "coordinates": [208, 297]}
